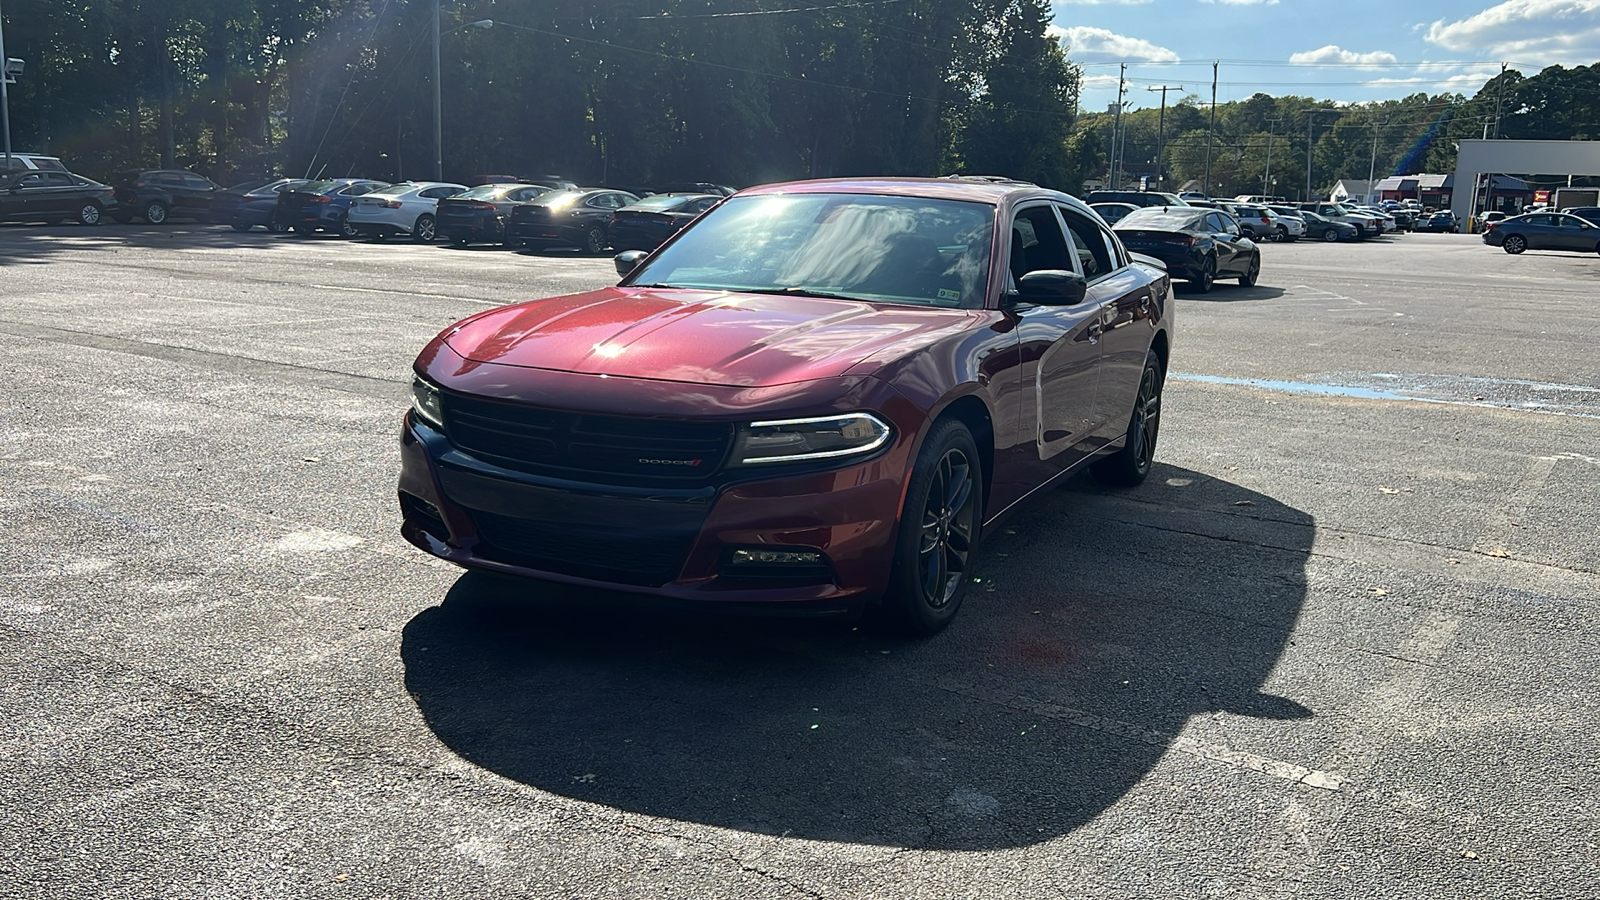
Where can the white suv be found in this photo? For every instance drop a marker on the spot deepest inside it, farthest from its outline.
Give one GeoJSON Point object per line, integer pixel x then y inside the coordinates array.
{"type": "Point", "coordinates": [410, 207]}
{"type": "Point", "coordinates": [32, 162]}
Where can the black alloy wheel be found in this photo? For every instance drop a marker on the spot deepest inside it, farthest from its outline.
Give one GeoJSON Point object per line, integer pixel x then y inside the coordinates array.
{"type": "Point", "coordinates": [155, 212]}
{"type": "Point", "coordinates": [1330, 234]}
{"type": "Point", "coordinates": [89, 214]}
{"type": "Point", "coordinates": [1514, 244]}
{"type": "Point", "coordinates": [1208, 274]}
{"type": "Point", "coordinates": [1252, 272]}
{"type": "Point", "coordinates": [1129, 466]}
{"type": "Point", "coordinates": [939, 533]}
{"type": "Point", "coordinates": [423, 232]}
{"type": "Point", "coordinates": [594, 240]}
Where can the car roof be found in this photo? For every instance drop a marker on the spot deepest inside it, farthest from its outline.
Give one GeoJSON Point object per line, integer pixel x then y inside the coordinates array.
{"type": "Point", "coordinates": [969, 188]}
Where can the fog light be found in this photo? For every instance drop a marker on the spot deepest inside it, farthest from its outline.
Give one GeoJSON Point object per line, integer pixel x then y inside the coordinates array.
{"type": "Point", "coordinates": [776, 558]}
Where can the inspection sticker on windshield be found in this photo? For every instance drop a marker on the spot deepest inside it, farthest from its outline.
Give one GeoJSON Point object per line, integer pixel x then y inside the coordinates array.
{"type": "Point", "coordinates": [947, 294]}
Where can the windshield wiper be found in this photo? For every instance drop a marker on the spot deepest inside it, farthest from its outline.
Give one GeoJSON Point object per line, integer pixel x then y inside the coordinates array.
{"type": "Point", "coordinates": [797, 291]}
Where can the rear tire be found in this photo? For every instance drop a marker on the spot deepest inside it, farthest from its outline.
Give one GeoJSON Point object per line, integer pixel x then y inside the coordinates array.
{"type": "Point", "coordinates": [594, 240]}
{"type": "Point", "coordinates": [1129, 466]}
{"type": "Point", "coordinates": [1330, 235]}
{"type": "Point", "coordinates": [346, 230]}
{"type": "Point", "coordinates": [1208, 275]}
{"type": "Point", "coordinates": [1251, 272]}
{"type": "Point", "coordinates": [90, 214]}
{"type": "Point", "coordinates": [155, 212]}
{"type": "Point", "coordinates": [1514, 244]}
{"type": "Point", "coordinates": [425, 229]}
{"type": "Point", "coordinates": [939, 531]}
{"type": "Point", "coordinates": [276, 227]}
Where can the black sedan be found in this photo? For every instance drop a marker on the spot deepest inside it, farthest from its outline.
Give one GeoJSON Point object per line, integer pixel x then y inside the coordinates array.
{"type": "Point", "coordinates": [577, 218]}
{"type": "Point", "coordinates": [480, 215]}
{"type": "Point", "coordinates": [647, 224]}
{"type": "Point", "coordinates": [1197, 244]}
{"type": "Point", "coordinates": [35, 196]}
{"type": "Point", "coordinates": [1544, 231]}
{"type": "Point", "coordinates": [244, 206]}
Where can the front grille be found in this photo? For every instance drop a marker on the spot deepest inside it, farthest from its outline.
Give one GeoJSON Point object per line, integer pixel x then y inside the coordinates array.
{"type": "Point", "coordinates": [641, 556]}
{"type": "Point", "coordinates": [583, 447]}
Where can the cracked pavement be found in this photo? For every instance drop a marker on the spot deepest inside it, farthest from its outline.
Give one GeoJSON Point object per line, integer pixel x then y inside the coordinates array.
{"type": "Point", "coordinates": [1342, 644]}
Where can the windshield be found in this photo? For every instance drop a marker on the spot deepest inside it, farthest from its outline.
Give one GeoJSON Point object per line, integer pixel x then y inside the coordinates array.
{"type": "Point", "coordinates": [318, 187]}
{"type": "Point", "coordinates": [1157, 218]}
{"type": "Point", "coordinates": [885, 249]}
{"type": "Point", "coordinates": [393, 190]}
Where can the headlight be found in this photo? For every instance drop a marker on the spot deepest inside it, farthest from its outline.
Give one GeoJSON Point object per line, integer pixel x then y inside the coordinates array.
{"type": "Point", "coordinates": [425, 402]}
{"type": "Point", "coordinates": [796, 440]}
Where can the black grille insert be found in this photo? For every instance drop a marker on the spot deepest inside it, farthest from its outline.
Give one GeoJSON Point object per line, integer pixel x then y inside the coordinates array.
{"type": "Point", "coordinates": [650, 557]}
{"type": "Point", "coordinates": [584, 447]}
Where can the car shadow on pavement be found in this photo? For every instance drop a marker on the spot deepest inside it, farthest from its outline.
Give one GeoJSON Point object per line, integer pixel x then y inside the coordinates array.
{"type": "Point", "coordinates": [1223, 292]}
{"type": "Point", "coordinates": [1097, 626]}
{"type": "Point", "coordinates": [24, 244]}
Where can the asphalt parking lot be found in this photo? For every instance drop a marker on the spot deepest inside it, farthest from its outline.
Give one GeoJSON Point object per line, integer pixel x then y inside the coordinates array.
{"type": "Point", "coordinates": [1343, 643]}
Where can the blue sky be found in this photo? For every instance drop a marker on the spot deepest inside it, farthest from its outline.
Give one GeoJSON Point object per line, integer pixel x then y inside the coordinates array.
{"type": "Point", "coordinates": [1347, 50]}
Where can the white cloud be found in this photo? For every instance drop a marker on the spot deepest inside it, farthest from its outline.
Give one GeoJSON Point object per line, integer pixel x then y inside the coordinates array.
{"type": "Point", "coordinates": [1333, 53]}
{"type": "Point", "coordinates": [1460, 83]}
{"type": "Point", "coordinates": [1532, 32]}
{"type": "Point", "coordinates": [1088, 44]}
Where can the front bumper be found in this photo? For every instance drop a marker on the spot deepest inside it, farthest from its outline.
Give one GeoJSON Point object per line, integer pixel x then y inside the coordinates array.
{"type": "Point", "coordinates": [674, 543]}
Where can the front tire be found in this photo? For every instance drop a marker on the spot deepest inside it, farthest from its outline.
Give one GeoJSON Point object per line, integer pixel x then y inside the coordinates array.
{"type": "Point", "coordinates": [1129, 466]}
{"type": "Point", "coordinates": [1515, 244]}
{"type": "Point", "coordinates": [155, 212]}
{"type": "Point", "coordinates": [425, 229]}
{"type": "Point", "coordinates": [1330, 235]}
{"type": "Point", "coordinates": [938, 535]}
{"type": "Point", "coordinates": [89, 214]}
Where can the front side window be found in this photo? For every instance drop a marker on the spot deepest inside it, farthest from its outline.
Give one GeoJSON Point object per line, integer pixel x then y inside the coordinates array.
{"type": "Point", "coordinates": [886, 249]}
{"type": "Point", "coordinates": [1093, 252]}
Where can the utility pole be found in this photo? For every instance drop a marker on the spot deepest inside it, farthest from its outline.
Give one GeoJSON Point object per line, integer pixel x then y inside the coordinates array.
{"type": "Point", "coordinates": [1372, 165]}
{"type": "Point", "coordinates": [1266, 176]}
{"type": "Point", "coordinates": [1161, 135]}
{"type": "Point", "coordinates": [1211, 131]}
{"type": "Point", "coordinates": [1499, 96]}
{"type": "Point", "coordinates": [5, 97]}
{"type": "Point", "coordinates": [1112, 174]}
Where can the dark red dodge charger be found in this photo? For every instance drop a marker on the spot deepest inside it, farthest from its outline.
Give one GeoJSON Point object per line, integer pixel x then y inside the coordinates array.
{"type": "Point", "coordinates": [820, 393]}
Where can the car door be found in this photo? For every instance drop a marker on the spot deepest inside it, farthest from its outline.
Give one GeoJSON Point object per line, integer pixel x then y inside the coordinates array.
{"type": "Point", "coordinates": [58, 197]}
{"type": "Point", "coordinates": [1576, 234]}
{"type": "Point", "coordinates": [1126, 308]}
{"type": "Point", "coordinates": [14, 201]}
{"type": "Point", "coordinates": [1060, 345]}
{"type": "Point", "coordinates": [194, 194]}
{"type": "Point", "coordinates": [1225, 241]}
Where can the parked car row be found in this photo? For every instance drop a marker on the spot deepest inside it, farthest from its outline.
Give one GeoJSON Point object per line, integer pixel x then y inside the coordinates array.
{"type": "Point", "coordinates": [539, 214]}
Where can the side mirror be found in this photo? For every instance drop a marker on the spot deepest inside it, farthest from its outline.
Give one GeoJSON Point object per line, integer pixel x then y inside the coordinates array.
{"type": "Point", "coordinates": [1052, 287]}
{"type": "Point", "coordinates": [628, 260]}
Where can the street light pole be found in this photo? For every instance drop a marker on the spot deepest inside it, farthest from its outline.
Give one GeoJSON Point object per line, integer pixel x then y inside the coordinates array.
{"type": "Point", "coordinates": [438, 103]}
{"type": "Point", "coordinates": [1372, 165]}
{"type": "Point", "coordinates": [1266, 176]}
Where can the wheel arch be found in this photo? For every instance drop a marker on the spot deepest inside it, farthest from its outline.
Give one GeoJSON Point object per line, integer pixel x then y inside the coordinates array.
{"type": "Point", "coordinates": [971, 411]}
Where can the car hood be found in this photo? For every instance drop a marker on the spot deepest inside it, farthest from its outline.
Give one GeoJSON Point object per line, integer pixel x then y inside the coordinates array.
{"type": "Point", "coordinates": [699, 337]}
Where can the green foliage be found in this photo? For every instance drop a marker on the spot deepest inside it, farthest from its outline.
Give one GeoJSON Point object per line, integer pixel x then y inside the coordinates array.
{"type": "Point", "coordinates": [619, 91]}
